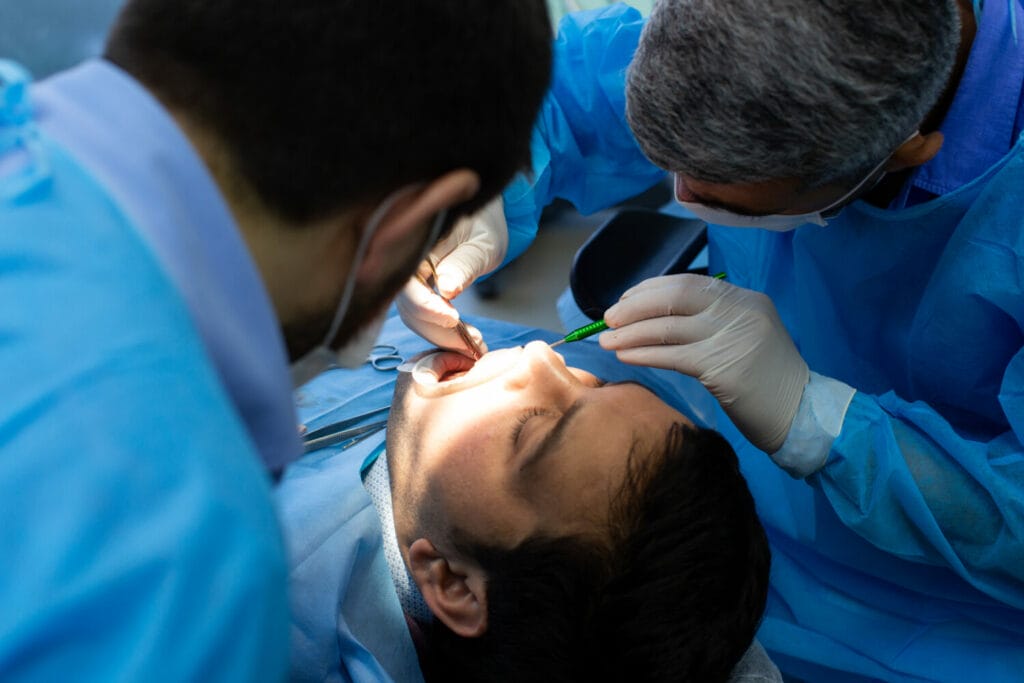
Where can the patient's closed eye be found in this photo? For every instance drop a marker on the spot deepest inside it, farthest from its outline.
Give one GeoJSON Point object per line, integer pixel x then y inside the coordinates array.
{"type": "Point", "coordinates": [524, 421]}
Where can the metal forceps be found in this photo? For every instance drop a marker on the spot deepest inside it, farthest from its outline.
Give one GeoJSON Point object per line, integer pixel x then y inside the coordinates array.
{"type": "Point", "coordinates": [344, 431]}
{"type": "Point", "coordinates": [464, 335]}
{"type": "Point", "coordinates": [385, 357]}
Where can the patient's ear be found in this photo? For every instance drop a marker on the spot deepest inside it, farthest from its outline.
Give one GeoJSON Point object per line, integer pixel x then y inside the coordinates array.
{"type": "Point", "coordinates": [455, 590]}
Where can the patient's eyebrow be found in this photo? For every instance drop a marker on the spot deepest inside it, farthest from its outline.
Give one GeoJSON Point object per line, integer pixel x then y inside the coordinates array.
{"type": "Point", "coordinates": [553, 437]}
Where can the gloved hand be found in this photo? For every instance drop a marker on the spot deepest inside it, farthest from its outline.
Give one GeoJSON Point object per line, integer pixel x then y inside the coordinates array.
{"type": "Point", "coordinates": [475, 246]}
{"type": "Point", "coordinates": [729, 338]}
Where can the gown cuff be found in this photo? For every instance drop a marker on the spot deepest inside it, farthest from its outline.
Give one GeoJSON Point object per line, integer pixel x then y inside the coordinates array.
{"type": "Point", "coordinates": [819, 419]}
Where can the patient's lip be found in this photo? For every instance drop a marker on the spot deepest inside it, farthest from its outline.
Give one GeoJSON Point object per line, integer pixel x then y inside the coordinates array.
{"type": "Point", "coordinates": [446, 372]}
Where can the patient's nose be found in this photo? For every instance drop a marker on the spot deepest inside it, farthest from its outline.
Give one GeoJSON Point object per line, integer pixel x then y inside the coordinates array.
{"type": "Point", "coordinates": [540, 368]}
{"type": "Point", "coordinates": [543, 353]}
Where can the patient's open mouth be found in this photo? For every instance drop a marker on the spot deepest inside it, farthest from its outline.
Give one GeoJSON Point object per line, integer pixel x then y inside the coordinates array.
{"type": "Point", "coordinates": [439, 367]}
{"type": "Point", "coordinates": [445, 371]}
{"type": "Point", "coordinates": [450, 375]}
{"type": "Point", "coordinates": [451, 366]}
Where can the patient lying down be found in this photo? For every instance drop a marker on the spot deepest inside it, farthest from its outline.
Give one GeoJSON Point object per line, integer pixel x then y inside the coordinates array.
{"type": "Point", "coordinates": [561, 528]}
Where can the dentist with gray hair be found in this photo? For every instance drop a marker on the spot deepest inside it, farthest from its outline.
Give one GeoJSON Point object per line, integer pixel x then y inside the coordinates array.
{"type": "Point", "coordinates": [861, 169]}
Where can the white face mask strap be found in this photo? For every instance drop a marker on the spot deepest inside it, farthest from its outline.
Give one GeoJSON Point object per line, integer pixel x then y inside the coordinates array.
{"type": "Point", "coordinates": [364, 242]}
{"type": "Point", "coordinates": [856, 188]}
{"type": "Point", "coordinates": [871, 174]}
{"type": "Point", "coordinates": [358, 347]}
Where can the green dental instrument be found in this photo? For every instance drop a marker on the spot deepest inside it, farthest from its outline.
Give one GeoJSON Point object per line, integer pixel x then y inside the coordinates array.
{"type": "Point", "coordinates": [583, 332]}
{"type": "Point", "coordinates": [595, 327]}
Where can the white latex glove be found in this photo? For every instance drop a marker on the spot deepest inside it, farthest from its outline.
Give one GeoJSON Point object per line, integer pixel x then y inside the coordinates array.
{"type": "Point", "coordinates": [729, 338]}
{"type": "Point", "coordinates": [475, 246]}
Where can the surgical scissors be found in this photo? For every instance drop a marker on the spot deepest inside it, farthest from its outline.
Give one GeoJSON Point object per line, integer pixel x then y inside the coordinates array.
{"type": "Point", "coordinates": [344, 431]}
{"type": "Point", "coordinates": [385, 357]}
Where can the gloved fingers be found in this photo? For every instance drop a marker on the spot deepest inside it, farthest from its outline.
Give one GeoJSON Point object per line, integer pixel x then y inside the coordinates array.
{"type": "Point", "coordinates": [449, 338]}
{"type": "Point", "coordinates": [695, 281]}
{"type": "Point", "coordinates": [678, 358]}
{"type": "Point", "coordinates": [419, 305]}
{"type": "Point", "coordinates": [461, 267]}
{"type": "Point", "coordinates": [488, 224]}
{"type": "Point", "coordinates": [668, 295]}
{"type": "Point", "coordinates": [459, 233]}
{"type": "Point", "coordinates": [664, 331]}
{"type": "Point", "coordinates": [476, 245]}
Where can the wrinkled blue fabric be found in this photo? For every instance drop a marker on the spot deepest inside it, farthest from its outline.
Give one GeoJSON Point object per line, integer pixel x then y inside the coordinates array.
{"type": "Point", "coordinates": [591, 166]}
{"type": "Point", "coordinates": [903, 558]}
{"type": "Point", "coordinates": [995, 68]}
{"type": "Point", "coordinates": [346, 621]}
{"type": "Point", "coordinates": [139, 540]}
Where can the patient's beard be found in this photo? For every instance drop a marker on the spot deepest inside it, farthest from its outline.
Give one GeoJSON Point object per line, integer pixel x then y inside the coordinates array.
{"type": "Point", "coordinates": [416, 504]}
{"type": "Point", "coordinates": [401, 436]}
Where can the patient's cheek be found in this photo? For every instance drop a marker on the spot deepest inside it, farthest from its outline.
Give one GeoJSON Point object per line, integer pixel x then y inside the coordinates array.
{"type": "Point", "coordinates": [464, 432]}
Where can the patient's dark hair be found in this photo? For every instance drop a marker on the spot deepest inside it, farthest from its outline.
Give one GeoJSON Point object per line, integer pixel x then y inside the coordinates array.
{"type": "Point", "coordinates": [324, 103]}
{"type": "Point", "coordinates": [677, 596]}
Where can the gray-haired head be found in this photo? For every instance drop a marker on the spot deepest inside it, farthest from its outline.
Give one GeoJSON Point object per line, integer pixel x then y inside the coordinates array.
{"type": "Point", "coordinates": [730, 91]}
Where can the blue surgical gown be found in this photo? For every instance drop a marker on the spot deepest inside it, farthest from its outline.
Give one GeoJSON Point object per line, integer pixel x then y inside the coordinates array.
{"type": "Point", "coordinates": [902, 558]}
{"type": "Point", "coordinates": [139, 539]}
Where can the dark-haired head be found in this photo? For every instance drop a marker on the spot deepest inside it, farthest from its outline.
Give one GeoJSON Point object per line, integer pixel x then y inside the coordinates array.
{"type": "Point", "coordinates": [315, 116]}
{"type": "Point", "coordinates": [324, 103]}
{"type": "Point", "coordinates": [675, 594]}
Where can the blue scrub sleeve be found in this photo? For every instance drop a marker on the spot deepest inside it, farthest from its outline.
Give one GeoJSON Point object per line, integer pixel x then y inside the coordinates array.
{"type": "Point", "coordinates": [138, 532]}
{"type": "Point", "coordinates": [910, 483]}
{"type": "Point", "coordinates": [582, 148]}
{"type": "Point", "coordinates": [144, 546]}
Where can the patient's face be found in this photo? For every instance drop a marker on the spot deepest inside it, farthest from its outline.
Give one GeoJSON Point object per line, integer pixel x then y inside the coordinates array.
{"type": "Point", "coordinates": [517, 446]}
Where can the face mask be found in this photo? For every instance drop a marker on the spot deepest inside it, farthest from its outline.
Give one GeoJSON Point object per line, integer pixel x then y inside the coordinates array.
{"type": "Point", "coordinates": [776, 222]}
{"type": "Point", "coordinates": [784, 222]}
{"type": "Point", "coordinates": [355, 351]}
